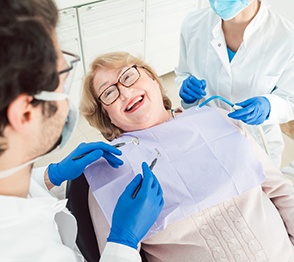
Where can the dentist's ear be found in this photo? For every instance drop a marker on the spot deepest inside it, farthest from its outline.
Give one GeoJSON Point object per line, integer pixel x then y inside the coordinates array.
{"type": "Point", "coordinates": [19, 113]}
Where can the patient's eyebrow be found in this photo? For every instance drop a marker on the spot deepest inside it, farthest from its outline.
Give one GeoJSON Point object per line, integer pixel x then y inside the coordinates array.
{"type": "Point", "coordinates": [103, 84]}
{"type": "Point", "coordinates": [118, 76]}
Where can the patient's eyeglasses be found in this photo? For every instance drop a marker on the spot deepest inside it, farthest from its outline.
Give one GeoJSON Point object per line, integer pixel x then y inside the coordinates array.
{"type": "Point", "coordinates": [127, 79]}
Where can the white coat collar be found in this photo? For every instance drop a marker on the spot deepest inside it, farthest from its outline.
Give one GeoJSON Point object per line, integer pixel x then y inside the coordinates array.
{"type": "Point", "coordinates": [256, 22]}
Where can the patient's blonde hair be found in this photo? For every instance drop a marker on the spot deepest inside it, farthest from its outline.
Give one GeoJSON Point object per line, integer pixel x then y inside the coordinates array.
{"type": "Point", "coordinates": [92, 109]}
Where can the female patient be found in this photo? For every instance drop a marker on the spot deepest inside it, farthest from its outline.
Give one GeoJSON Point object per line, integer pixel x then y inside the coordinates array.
{"type": "Point", "coordinates": [123, 97]}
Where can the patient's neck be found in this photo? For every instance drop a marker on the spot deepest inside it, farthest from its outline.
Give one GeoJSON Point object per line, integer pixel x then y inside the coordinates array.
{"type": "Point", "coordinates": [167, 115]}
{"type": "Point", "coordinates": [161, 118]}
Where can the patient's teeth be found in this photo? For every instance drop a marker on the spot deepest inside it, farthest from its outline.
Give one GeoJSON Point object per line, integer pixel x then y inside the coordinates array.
{"type": "Point", "coordinates": [134, 102]}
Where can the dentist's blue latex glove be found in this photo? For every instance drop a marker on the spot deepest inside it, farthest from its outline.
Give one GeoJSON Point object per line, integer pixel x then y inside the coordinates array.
{"type": "Point", "coordinates": [254, 110]}
{"type": "Point", "coordinates": [69, 169]}
{"type": "Point", "coordinates": [192, 89]}
{"type": "Point", "coordinates": [132, 218]}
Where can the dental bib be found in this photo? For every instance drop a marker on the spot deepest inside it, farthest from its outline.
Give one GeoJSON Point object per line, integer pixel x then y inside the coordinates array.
{"type": "Point", "coordinates": [202, 160]}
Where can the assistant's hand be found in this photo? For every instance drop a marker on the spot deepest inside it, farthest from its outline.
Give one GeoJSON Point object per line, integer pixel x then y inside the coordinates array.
{"type": "Point", "coordinates": [254, 110]}
{"type": "Point", "coordinates": [132, 218]}
{"type": "Point", "coordinates": [192, 89]}
{"type": "Point", "coordinates": [69, 169]}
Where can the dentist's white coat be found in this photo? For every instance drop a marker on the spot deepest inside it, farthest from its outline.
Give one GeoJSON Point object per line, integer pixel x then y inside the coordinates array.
{"type": "Point", "coordinates": [40, 228]}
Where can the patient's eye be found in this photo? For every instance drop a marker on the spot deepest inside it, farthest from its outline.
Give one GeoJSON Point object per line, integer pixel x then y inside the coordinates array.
{"type": "Point", "coordinates": [126, 77]}
{"type": "Point", "coordinates": [109, 91]}
{"type": "Point", "coordinates": [129, 77]}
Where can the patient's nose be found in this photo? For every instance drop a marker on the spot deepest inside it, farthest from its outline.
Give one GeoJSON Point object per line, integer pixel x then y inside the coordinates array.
{"type": "Point", "coordinates": [125, 92]}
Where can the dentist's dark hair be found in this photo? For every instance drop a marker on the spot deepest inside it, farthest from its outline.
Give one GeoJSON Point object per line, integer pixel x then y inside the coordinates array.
{"type": "Point", "coordinates": [28, 59]}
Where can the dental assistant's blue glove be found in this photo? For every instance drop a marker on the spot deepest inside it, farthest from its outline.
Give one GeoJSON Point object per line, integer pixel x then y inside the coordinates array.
{"type": "Point", "coordinates": [133, 217]}
{"type": "Point", "coordinates": [69, 169]}
{"type": "Point", "coordinates": [192, 89]}
{"type": "Point", "coordinates": [254, 110]}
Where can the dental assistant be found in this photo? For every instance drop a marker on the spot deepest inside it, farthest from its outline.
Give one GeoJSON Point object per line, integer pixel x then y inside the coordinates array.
{"type": "Point", "coordinates": [36, 116]}
{"type": "Point", "coordinates": [243, 51]}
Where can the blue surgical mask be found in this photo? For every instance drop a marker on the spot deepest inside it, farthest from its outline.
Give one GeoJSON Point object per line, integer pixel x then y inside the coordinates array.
{"type": "Point", "coordinates": [228, 9]}
{"type": "Point", "coordinates": [70, 125]}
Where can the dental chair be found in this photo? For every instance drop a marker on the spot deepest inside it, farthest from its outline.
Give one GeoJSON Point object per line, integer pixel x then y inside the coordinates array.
{"type": "Point", "coordinates": [77, 194]}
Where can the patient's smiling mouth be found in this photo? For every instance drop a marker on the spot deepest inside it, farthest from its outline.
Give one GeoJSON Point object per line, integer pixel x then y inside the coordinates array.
{"type": "Point", "coordinates": [135, 103]}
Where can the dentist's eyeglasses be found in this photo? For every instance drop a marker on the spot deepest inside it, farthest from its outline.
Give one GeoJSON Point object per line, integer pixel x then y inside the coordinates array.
{"type": "Point", "coordinates": [127, 79]}
{"type": "Point", "coordinates": [71, 60]}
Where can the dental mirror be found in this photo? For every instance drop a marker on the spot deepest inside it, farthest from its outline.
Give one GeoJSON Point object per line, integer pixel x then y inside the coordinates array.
{"type": "Point", "coordinates": [134, 140]}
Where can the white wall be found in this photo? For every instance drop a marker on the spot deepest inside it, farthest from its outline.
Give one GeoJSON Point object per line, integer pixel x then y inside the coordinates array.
{"type": "Point", "coordinates": [284, 7]}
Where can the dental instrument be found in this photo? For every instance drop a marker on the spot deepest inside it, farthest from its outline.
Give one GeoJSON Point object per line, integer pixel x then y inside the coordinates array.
{"type": "Point", "coordinates": [140, 184]}
{"type": "Point", "coordinates": [134, 140]}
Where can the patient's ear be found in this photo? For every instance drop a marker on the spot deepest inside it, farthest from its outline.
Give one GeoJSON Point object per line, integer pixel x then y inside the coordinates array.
{"type": "Point", "coordinates": [19, 113]}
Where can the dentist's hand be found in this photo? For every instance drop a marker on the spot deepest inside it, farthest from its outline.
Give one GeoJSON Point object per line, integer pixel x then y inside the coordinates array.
{"type": "Point", "coordinates": [192, 89]}
{"type": "Point", "coordinates": [69, 169]}
{"type": "Point", "coordinates": [133, 217]}
{"type": "Point", "coordinates": [254, 110]}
